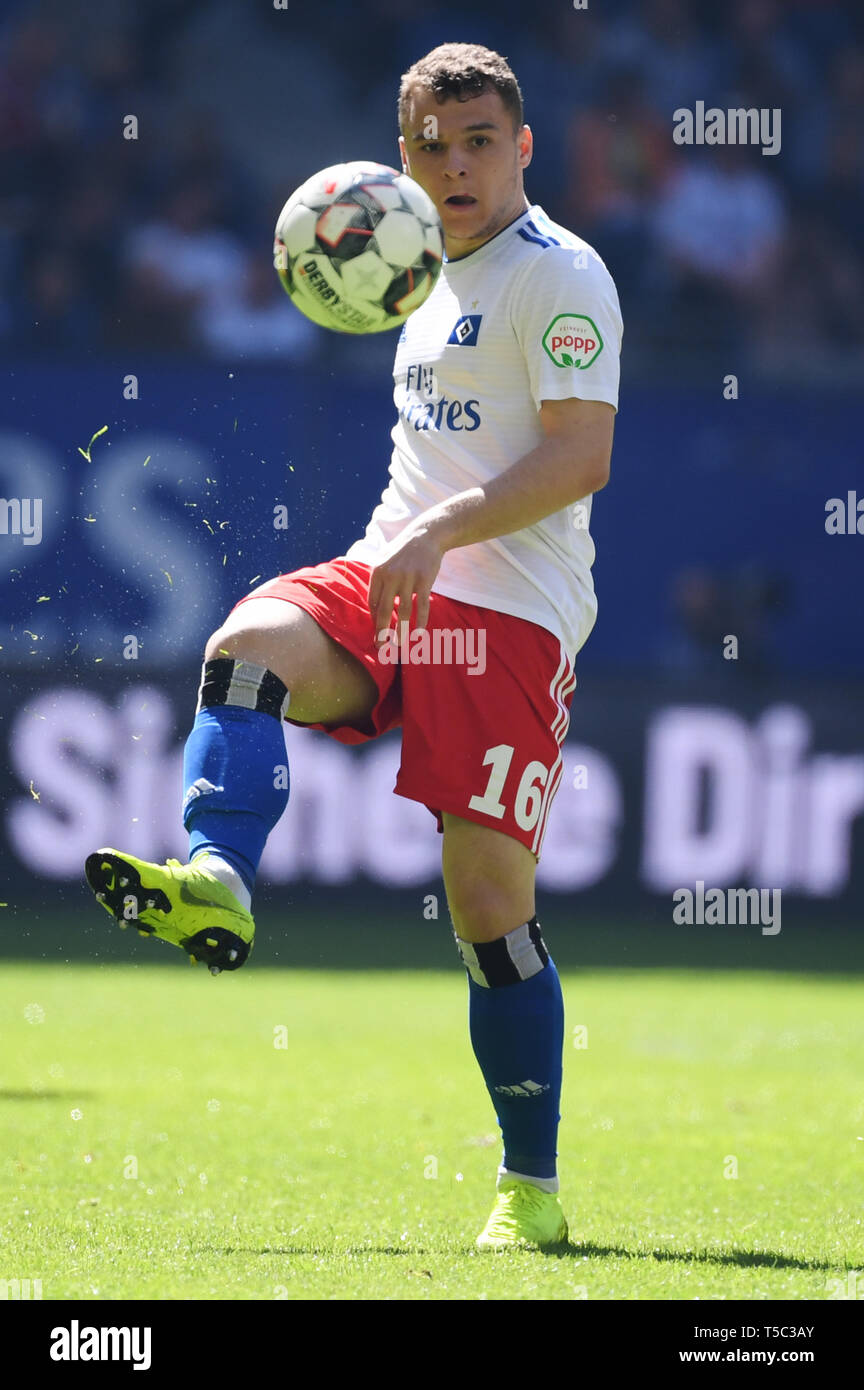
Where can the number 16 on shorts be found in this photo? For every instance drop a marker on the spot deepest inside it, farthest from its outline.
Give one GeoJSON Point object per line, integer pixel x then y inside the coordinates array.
{"type": "Point", "coordinates": [534, 792]}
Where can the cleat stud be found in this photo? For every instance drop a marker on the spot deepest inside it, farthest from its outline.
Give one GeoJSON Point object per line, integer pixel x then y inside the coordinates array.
{"type": "Point", "coordinates": [211, 941]}
{"type": "Point", "coordinates": [150, 903]}
{"type": "Point", "coordinates": [100, 897]}
{"type": "Point", "coordinates": [215, 970]}
{"type": "Point", "coordinates": [143, 933]}
{"type": "Point", "coordinates": [192, 959]}
{"type": "Point", "coordinates": [232, 955]}
{"type": "Point", "coordinates": [124, 882]}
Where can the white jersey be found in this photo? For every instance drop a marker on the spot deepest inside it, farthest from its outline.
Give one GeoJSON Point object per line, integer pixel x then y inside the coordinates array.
{"type": "Point", "coordinates": [532, 315]}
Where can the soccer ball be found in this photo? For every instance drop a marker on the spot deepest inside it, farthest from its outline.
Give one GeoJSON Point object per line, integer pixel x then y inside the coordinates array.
{"type": "Point", "coordinates": [358, 247]}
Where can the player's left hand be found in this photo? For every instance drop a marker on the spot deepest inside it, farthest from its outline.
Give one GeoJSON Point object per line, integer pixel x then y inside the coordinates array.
{"type": "Point", "coordinates": [410, 567]}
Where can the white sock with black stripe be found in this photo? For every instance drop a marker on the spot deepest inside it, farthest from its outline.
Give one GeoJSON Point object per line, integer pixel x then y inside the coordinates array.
{"type": "Point", "coordinates": [516, 956]}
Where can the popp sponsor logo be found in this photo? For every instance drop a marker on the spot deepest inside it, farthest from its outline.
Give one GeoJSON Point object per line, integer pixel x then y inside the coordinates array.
{"type": "Point", "coordinates": [573, 340]}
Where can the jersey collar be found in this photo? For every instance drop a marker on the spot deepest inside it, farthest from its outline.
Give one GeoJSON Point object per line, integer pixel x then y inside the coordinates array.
{"type": "Point", "coordinates": [490, 247]}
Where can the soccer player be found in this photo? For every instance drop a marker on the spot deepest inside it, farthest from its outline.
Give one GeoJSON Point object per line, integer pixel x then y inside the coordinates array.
{"type": "Point", "coordinates": [506, 392]}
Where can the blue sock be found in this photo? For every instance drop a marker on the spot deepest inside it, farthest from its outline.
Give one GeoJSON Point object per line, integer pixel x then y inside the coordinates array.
{"type": "Point", "coordinates": [234, 766]}
{"type": "Point", "coordinates": [516, 1014]}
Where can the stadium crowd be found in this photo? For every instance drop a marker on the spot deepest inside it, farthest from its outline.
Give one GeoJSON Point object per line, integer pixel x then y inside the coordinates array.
{"type": "Point", "coordinates": [161, 243]}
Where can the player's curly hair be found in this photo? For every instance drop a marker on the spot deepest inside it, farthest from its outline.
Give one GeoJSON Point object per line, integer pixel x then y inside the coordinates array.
{"type": "Point", "coordinates": [463, 71]}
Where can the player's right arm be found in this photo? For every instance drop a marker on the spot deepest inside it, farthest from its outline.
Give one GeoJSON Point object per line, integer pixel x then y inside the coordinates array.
{"type": "Point", "coordinates": [571, 462]}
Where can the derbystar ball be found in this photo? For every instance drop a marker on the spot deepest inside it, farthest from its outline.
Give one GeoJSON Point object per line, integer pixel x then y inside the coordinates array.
{"type": "Point", "coordinates": [358, 247]}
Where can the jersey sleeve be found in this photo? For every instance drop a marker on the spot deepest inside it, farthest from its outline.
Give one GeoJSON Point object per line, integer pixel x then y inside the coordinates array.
{"type": "Point", "coordinates": [567, 319]}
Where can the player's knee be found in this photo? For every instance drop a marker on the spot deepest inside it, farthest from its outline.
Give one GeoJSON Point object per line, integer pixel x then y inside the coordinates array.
{"type": "Point", "coordinates": [230, 642]}
{"type": "Point", "coordinates": [242, 638]}
{"type": "Point", "coordinates": [484, 908]}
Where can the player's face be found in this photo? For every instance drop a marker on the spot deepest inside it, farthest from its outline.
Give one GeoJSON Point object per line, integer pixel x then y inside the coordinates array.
{"type": "Point", "coordinates": [468, 158]}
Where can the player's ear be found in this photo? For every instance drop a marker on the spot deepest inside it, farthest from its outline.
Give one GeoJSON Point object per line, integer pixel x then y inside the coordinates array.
{"type": "Point", "coordinates": [525, 146]}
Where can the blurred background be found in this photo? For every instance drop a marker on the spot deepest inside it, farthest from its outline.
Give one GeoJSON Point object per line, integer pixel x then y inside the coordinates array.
{"type": "Point", "coordinates": [139, 306]}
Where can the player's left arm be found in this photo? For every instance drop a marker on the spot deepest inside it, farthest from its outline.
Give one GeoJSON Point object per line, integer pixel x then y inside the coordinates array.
{"type": "Point", "coordinates": [567, 321]}
{"type": "Point", "coordinates": [571, 462]}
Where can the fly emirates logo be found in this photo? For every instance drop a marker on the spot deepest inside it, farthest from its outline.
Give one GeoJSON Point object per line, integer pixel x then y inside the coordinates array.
{"type": "Point", "coordinates": [424, 408]}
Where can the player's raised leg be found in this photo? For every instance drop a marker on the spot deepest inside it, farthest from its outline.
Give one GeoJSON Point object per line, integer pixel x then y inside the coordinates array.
{"type": "Point", "coordinates": [517, 1023]}
{"type": "Point", "coordinates": [268, 654]}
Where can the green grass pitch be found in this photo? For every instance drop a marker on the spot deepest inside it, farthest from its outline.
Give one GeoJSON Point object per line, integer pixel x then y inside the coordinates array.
{"type": "Point", "coordinates": [299, 1134]}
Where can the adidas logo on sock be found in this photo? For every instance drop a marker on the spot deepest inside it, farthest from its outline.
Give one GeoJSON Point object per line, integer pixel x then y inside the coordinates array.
{"type": "Point", "coordinates": [200, 787]}
{"type": "Point", "coordinates": [524, 1088]}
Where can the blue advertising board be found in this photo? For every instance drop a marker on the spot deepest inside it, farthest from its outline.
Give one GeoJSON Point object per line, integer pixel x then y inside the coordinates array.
{"type": "Point", "coordinates": [208, 477]}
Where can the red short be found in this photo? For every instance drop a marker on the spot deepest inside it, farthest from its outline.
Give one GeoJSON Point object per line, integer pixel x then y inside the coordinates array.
{"type": "Point", "coordinates": [483, 702]}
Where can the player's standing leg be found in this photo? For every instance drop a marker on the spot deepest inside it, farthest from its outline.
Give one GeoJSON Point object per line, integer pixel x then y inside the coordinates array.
{"type": "Point", "coordinates": [516, 1015]}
